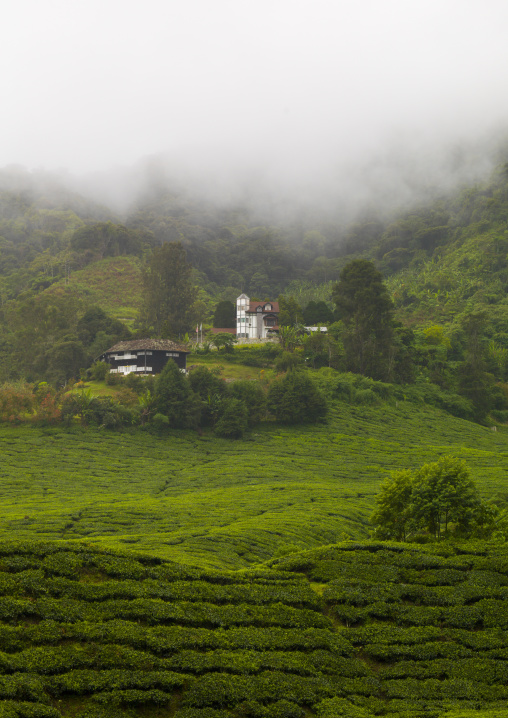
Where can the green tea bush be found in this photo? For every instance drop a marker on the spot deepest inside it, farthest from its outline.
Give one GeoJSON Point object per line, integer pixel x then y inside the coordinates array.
{"type": "Point", "coordinates": [338, 707]}
{"type": "Point", "coordinates": [20, 709]}
{"type": "Point", "coordinates": [133, 696]}
{"type": "Point", "coordinates": [418, 652]}
{"type": "Point", "coordinates": [390, 634]}
{"type": "Point", "coordinates": [365, 396]}
{"type": "Point", "coordinates": [23, 687]}
{"type": "Point", "coordinates": [284, 709]}
{"type": "Point", "coordinates": [201, 713]}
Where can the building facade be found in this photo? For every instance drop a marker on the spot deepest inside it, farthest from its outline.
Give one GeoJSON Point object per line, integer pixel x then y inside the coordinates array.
{"type": "Point", "coordinates": [256, 320]}
{"type": "Point", "coordinates": [144, 356]}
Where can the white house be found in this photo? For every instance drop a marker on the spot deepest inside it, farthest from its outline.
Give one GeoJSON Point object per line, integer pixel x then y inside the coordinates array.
{"type": "Point", "coordinates": [256, 320]}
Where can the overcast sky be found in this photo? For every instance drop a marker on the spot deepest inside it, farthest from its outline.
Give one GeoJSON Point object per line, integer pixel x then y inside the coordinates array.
{"type": "Point", "coordinates": [296, 87]}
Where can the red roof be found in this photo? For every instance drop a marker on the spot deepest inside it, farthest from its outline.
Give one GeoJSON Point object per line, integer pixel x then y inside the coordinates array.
{"type": "Point", "coordinates": [274, 306]}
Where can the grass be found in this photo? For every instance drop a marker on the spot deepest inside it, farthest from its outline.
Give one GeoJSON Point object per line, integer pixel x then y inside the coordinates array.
{"type": "Point", "coordinates": [225, 504]}
{"type": "Point", "coordinates": [227, 369]}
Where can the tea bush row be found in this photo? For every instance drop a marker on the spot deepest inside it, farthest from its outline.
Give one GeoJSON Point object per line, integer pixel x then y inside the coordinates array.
{"type": "Point", "coordinates": [49, 660]}
{"type": "Point", "coordinates": [487, 613]}
{"type": "Point", "coordinates": [133, 697]}
{"type": "Point", "coordinates": [418, 652]}
{"type": "Point", "coordinates": [157, 611]}
{"type": "Point", "coordinates": [34, 583]}
{"type": "Point", "coordinates": [21, 709]}
{"type": "Point", "coordinates": [242, 661]}
{"type": "Point", "coordinates": [162, 640]}
{"type": "Point", "coordinates": [89, 681]}
{"type": "Point", "coordinates": [388, 634]}
{"type": "Point", "coordinates": [361, 593]}
{"type": "Point", "coordinates": [435, 689]}
{"type": "Point", "coordinates": [473, 669]}
{"type": "Point", "coordinates": [221, 690]}
{"type": "Point", "coordinates": [424, 560]}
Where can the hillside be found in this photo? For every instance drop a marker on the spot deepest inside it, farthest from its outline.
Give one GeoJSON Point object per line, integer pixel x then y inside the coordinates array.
{"type": "Point", "coordinates": [114, 284]}
{"type": "Point", "coordinates": [353, 630]}
{"type": "Point", "coordinates": [225, 504]}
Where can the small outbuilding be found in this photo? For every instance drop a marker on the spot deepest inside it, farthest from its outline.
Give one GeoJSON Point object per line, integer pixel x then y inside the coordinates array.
{"type": "Point", "coordinates": [144, 356]}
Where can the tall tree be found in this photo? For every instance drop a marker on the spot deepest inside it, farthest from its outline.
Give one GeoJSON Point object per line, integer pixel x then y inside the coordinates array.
{"type": "Point", "coordinates": [290, 312]}
{"type": "Point", "coordinates": [225, 315]}
{"type": "Point", "coordinates": [174, 398]}
{"type": "Point", "coordinates": [365, 307]}
{"type": "Point", "coordinates": [168, 292]}
{"type": "Point", "coordinates": [294, 399]}
{"type": "Point", "coordinates": [433, 498]}
{"type": "Point", "coordinates": [475, 383]}
{"type": "Point", "coordinates": [317, 313]}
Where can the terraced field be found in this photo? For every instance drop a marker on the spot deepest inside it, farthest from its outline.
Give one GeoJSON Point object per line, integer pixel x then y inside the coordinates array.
{"type": "Point", "coordinates": [349, 630]}
{"type": "Point", "coordinates": [225, 504]}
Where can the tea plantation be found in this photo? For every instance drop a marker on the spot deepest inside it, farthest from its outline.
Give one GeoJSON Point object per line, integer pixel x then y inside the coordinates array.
{"type": "Point", "coordinates": [228, 504]}
{"type": "Point", "coordinates": [354, 629]}
{"type": "Point", "coordinates": [187, 576]}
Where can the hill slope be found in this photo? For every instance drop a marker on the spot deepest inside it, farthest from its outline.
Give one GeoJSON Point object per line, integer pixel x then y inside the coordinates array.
{"type": "Point", "coordinates": [352, 630]}
{"type": "Point", "coordinates": [212, 502]}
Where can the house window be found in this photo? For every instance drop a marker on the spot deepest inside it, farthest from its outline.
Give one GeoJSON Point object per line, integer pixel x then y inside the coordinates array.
{"type": "Point", "coordinates": [172, 354]}
{"type": "Point", "coordinates": [259, 309]}
{"type": "Point", "coordinates": [268, 307]}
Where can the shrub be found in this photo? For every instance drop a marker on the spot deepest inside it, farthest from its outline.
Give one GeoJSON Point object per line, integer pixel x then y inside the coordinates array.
{"type": "Point", "coordinates": [113, 379]}
{"type": "Point", "coordinates": [253, 396]}
{"type": "Point", "coordinates": [233, 420]}
{"type": "Point", "coordinates": [99, 371]}
{"type": "Point", "coordinates": [16, 401]}
{"type": "Point", "coordinates": [175, 399]}
{"type": "Point", "coordinates": [294, 399]}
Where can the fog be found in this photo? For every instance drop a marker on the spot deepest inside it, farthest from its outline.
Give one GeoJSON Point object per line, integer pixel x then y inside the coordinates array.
{"type": "Point", "coordinates": [327, 102]}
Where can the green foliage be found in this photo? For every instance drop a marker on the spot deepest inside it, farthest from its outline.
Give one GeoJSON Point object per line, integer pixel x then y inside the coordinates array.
{"type": "Point", "coordinates": [443, 492]}
{"type": "Point", "coordinates": [225, 315]}
{"type": "Point", "coordinates": [393, 510]}
{"type": "Point", "coordinates": [253, 396]}
{"type": "Point", "coordinates": [294, 399]}
{"type": "Point", "coordinates": [174, 398]}
{"type": "Point", "coordinates": [94, 322]}
{"type": "Point", "coordinates": [95, 410]}
{"type": "Point", "coordinates": [99, 371]}
{"type": "Point", "coordinates": [233, 420]}
{"type": "Point", "coordinates": [105, 239]}
{"type": "Point", "coordinates": [290, 312]}
{"type": "Point", "coordinates": [168, 291]}
{"type": "Point", "coordinates": [91, 641]}
{"type": "Point", "coordinates": [288, 361]}
{"type": "Point", "coordinates": [317, 313]}
{"type": "Point", "coordinates": [16, 401]}
{"type": "Point", "coordinates": [433, 498]}
{"type": "Point", "coordinates": [223, 342]}
{"type": "Point", "coordinates": [365, 307]}
{"type": "Point", "coordinates": [211, 389]}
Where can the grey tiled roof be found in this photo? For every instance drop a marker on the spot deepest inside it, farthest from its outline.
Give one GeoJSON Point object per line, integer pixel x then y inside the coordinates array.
{"type": "Point", "coordinates": [150, 344]}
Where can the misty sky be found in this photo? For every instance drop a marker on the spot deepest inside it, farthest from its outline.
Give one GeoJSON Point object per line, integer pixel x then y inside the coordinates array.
{"type": "Point", "coordinates": [287, 86]}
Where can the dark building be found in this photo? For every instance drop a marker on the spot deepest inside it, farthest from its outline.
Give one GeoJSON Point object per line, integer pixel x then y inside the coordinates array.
{"type": "Point", "coordinates": [144, 356]}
